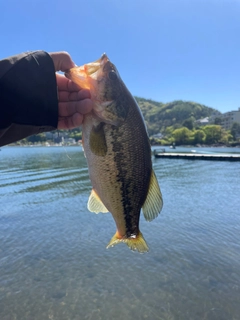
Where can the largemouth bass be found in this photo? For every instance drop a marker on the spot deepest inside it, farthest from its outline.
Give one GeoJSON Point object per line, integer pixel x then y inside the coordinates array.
{"type": "Point", "coordinates": [118, 153]}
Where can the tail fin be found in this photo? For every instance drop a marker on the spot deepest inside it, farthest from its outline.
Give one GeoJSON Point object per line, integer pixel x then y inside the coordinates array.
{"type": "Point", "coordinates": [136, 243]}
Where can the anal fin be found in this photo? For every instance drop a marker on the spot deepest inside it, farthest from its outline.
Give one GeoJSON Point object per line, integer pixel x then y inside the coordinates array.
{"type": "Point", "coordinates": [95, 204]}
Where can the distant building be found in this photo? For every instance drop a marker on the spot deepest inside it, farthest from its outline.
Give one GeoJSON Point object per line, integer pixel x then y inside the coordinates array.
{"type": "Point", "coordinates": [202, 122]}
{"type": "Point", "coordinates": [68, 140]}
{"type": "Point", "coordinates": [229, 118]}
{"type": "Point", "coordinates": [158, 136]}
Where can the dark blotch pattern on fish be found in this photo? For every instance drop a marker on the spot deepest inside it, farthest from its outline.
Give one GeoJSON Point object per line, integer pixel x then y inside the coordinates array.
{"type": "Point", "coordinates": [131, 220]}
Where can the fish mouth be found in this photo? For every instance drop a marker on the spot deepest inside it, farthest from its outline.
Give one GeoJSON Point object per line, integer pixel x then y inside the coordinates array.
{"type": "Point", "coordinates": [79, 74]}
{"type": "Point", "coordinates": [92, 67]}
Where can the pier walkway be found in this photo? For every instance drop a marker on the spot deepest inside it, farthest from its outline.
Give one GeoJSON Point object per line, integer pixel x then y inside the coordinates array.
{"type": "Point", "coordinates": [198, 156]}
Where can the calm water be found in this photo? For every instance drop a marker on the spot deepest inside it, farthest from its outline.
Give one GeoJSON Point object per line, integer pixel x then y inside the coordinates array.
{"type": "Point", "coordinates": [53, 261]}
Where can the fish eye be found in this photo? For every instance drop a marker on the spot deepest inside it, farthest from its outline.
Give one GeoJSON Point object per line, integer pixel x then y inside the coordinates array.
{"type": "Point", "coordinates": [112, 75]}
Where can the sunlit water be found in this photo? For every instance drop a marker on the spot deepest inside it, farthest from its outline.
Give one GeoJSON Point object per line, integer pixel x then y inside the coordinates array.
{"type": "Point", "coordinates": [53, 261]}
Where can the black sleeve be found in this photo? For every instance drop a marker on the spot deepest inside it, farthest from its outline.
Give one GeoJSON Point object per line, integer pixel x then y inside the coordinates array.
{"type": "Point", "coordinates": [28, 96]}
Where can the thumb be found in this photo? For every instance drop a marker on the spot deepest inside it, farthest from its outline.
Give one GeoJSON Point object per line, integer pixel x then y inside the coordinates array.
{"type": "Point", "coordinates": [62, 60]}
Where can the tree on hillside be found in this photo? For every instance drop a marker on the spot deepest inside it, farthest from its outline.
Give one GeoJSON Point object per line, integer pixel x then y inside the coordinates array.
{"type": "Point", "coordinates": [159, 116]}
{"type": "Point", "coordinates": [188, 123]}
{"type": "Point", "coordinates": [235, 130]}
{"type": "Point", "coordinates": [182, 135]}
{"type": "Point", "coordinates": [226, 137]}
{"type": "Point", "coordinates": [37, 138]}
{"type": "Point", "coordinates": [199, 136]}
{"type": "Point", "coordinates": [213, 133]}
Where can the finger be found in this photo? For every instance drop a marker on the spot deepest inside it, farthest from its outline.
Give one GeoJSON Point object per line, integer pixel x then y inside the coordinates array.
{"type": "Point", "coordinates": [70, 122]}
{"type": "Point", "coordinates": [65, 96]}
{"type": "Point", "coordinates": [67, 109]}
{"type": "Point", "coordinates": [62, 60]}
{"type": "Point", "coordinates": [64, 84]}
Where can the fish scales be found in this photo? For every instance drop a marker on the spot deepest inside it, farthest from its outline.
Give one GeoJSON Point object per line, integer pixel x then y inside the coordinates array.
{"type": "Point", "coordinates": [125, 168]}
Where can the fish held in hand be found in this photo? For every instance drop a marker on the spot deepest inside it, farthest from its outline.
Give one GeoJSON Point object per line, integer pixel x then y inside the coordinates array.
{"type": "Point", "coordinates": [118, 153]}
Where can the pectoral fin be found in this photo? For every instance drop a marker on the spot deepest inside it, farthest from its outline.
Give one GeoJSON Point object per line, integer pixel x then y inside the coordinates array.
{"type": "Point", "coordinates": [97, 140]}
{"type": "Point", "coordinates": [95, 204]}
{"type": "Point", "coordinates": [153, 203]}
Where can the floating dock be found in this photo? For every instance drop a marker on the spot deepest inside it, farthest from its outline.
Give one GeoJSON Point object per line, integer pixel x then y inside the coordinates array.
{"type": "Point", "coordinates": [197, 156]}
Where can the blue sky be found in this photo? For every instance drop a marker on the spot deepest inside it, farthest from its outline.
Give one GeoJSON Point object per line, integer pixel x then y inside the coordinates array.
{"type": "Point", "coordinates": [164, 50]}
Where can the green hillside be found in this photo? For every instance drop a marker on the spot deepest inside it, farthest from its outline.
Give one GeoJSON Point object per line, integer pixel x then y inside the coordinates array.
{"type": "Point", "coordinates": [175, 120]}
{"type": "Point", "coordinates": [159, 116]}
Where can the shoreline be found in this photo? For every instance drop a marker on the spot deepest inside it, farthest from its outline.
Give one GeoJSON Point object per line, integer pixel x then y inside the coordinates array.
{"type": "Point", "coordinates": [152, 145]}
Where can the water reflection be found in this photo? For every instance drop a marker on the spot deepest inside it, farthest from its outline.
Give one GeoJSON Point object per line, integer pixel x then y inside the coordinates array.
{"type": "Point", "coordinates": [53, 261]}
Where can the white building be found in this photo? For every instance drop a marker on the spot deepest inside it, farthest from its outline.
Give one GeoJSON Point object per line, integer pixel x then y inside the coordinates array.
{"type": "Point", "coordinates": [229, 118]}
{"type": "Point", "coordinates": [202, 122]}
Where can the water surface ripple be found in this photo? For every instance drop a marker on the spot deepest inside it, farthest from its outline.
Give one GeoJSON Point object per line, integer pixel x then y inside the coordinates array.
{"type": "Point", "coordinates": [53, 261]}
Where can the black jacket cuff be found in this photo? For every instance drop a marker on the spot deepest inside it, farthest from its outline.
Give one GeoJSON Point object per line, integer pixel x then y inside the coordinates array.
{"type": "Point", "coordinates": [28, 92]}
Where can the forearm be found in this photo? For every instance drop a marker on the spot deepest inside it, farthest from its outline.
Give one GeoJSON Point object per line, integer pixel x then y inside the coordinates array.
{"type": "Point", "coordinates": [28, 96]}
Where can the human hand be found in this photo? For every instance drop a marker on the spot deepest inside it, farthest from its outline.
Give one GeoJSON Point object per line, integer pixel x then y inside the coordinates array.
{"type": "Point", "coordinates": [73, 102]}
